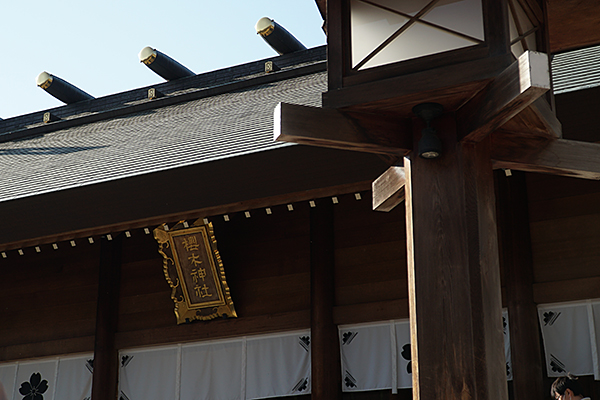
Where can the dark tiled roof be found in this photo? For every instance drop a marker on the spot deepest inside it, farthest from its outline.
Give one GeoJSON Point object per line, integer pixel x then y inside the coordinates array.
{"type": "Point", "coordinates": [212, 116]}
{"type": "Point", "coordinates": [576, 70]}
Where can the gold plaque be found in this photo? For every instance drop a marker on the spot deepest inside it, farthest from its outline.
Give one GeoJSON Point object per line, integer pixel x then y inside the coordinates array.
{"type": "Point", "coordinates": [193, 268]}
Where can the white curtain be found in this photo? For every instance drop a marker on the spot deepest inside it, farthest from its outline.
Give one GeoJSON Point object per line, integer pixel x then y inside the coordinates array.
{"type": "Point", "coordinates": [378, 356]}
{"type": "Point", "coordinates": [278, 366]}
{"type": "Point", "coordinates": [37, 376]}
{"type": "Point", "coordinates": [8, 376]}
{"type": "Point", "coordinates": [568, 338]}
{"type": "Point", "coordinates": [149, 374]}
{"type": "Point", "coordinates": [64, 378]}
{"type": "Point", "coordinates": [249, 368]}
{"type": "Point", "coordinates": [403, 357]}
{"type": "Point", "coordinates": [507, 356]}
{"type": "Point", "coordinates": [212, 371]}
{"type": "Point", "coordinates": [74, 378]}
{"type": "Point", "coordinates": [366, 357]}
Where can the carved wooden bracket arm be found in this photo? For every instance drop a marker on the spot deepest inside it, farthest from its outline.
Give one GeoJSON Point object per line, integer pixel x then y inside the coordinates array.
{"type": "Point", "coordinates": [507, 95]}
{"type": "Point", "coordinates": [327, 127]}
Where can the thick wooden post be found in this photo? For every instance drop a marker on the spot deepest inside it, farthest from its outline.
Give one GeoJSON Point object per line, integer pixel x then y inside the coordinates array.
{"type": "Point", "coordinates": [106, 360]}
{"type": "Point", "coordinates": [454, 279]}
{"type": "Point", "coordinates": [325, 348]}
{"type": "Point", "coordinates": [517, 260]}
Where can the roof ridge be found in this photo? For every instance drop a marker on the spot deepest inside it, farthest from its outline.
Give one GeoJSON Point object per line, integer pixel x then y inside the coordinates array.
{"type": "Point", "coordinates": [148, 104]}
{"type": "Point", "coordinates": [132, 97]}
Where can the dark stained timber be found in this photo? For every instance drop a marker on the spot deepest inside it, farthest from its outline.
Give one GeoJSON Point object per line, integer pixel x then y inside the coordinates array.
{"type": "Point", "coordinates": [453, 273]}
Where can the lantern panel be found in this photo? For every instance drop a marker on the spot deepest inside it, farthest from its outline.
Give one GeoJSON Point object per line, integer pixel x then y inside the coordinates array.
{"type": "Point", "coordinates": [462, 16]}
{"type": "Point", "coordinates": [419, 40]}
{"type": "Point", "coordinates": [371, 26]}
{"type": "Point", "coordinates": [388, 31]}
{"type": "Point", "coordinates": [522, 29]}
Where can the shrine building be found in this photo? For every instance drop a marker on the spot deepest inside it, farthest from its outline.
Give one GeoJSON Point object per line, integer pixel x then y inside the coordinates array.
{"type": "Point", "coordinates": [408, 212]}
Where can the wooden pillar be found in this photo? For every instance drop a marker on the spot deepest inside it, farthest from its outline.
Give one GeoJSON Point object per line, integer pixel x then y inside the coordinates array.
{"type": "Point", "coordinates": [106, 359]}
{"type": "Point", "coordinates": [325, 348]}
{"type": "Point", "coordinates": [517, 262]}
{"type": "Point", "coordinates": [454, 279]}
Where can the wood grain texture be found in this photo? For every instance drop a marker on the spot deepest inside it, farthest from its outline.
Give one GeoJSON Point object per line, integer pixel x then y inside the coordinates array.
{"type": "Point", "coordinates": [558, 157]}
{"type": "Point", "coordinates": [83, 344]}
{"type": "Point", "coordinates": [325, 350]}
{"type": "Point", "coordinates": [331, 128]}
{"type": "Point", "coordinates": [218, 329]}
{"type": "Point", "coordinates": [517, 264]}
{"type": "Point", "coordinates": [573, 24]}
{"type": "Point", "coordinates": [566, 290]}
{"type": "Point", "coordinates": [453, 273]}
{"type": "Point", "coordinates": [537, 120]}
{"type": "Point", "coordinates": [512, 91]}
{"type": "Point", "coordinates": [448, 85]}
{"type": "Point", "coordinates": [388, 189]}
{"type": "Point", "coordinates": [106, 356]}
{"type": "Point", "coordinates": [371, 312]}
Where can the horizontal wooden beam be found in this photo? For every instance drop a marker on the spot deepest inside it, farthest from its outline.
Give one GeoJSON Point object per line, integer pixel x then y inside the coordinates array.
{"type": "Point", "coordinates": [84, 344]}
{"type": "Point", "coordinates": [566, 290]}
{"type": "Point", "coordinates": [511, 92]}
{"type": "Point", "coordinates": [326, 127]}
{"type": "Point", "coordinates": [370, 312]}
{"type": "Point", "coordinates": [217, 329]}
{"type": "Point", "coordinates": [557, 157]}
{"type": "Point", "coordinates": [388, 189]}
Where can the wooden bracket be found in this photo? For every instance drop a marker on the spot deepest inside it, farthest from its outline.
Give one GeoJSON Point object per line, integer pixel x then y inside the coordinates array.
{"type": "Point", "coordinates": [511, 92]}
{"type": "Point", "coordinates": [557, 157]}
{"type": "Point", "coordinates": [326, 127]}
{"type": "Point", "coordinates": [388, 189]}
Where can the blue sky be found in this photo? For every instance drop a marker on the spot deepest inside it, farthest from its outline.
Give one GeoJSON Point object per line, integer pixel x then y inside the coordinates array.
{"type": "Point", "coordinates": [95, 45]}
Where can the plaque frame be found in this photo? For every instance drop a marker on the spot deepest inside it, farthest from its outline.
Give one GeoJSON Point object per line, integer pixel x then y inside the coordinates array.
{"type": "Point", "coordinates": [191, 259]}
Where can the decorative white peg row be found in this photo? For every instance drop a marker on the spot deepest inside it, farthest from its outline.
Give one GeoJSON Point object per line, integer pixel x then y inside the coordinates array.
{"type": "Point", "coordinates": [91, 240]}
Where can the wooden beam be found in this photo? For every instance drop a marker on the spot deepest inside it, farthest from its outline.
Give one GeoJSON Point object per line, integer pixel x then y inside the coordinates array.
{"type": "Point", "coordinates": [106, 357]}
{"type": "Point", "coordinates": [370, 312]}
{"type": "Point", "coordinates": [517, 261]}
{"type": "Point", "coordinates": [399, 86]}
{"type": "Point", "coordinates": [518, 86]}
{"type": "Point", "coordinates": [16, 352]}
{"type": "Point", "coordinates": [217, 329]}
{"type": "Point", "coordinates": [537, 120]}
{"type": "Point", "coordinates": [326, 127]}
{"type": "Point", "coordinates": [325, 353]}
{"type": "Point", "coordinates": [573, 24]}
{"type": "Point", "coordinates": [558, 157]}
{"type": "Point", "coordinates": [388, 189]}
{"type": "Point", "coordinates": [453, 273]}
